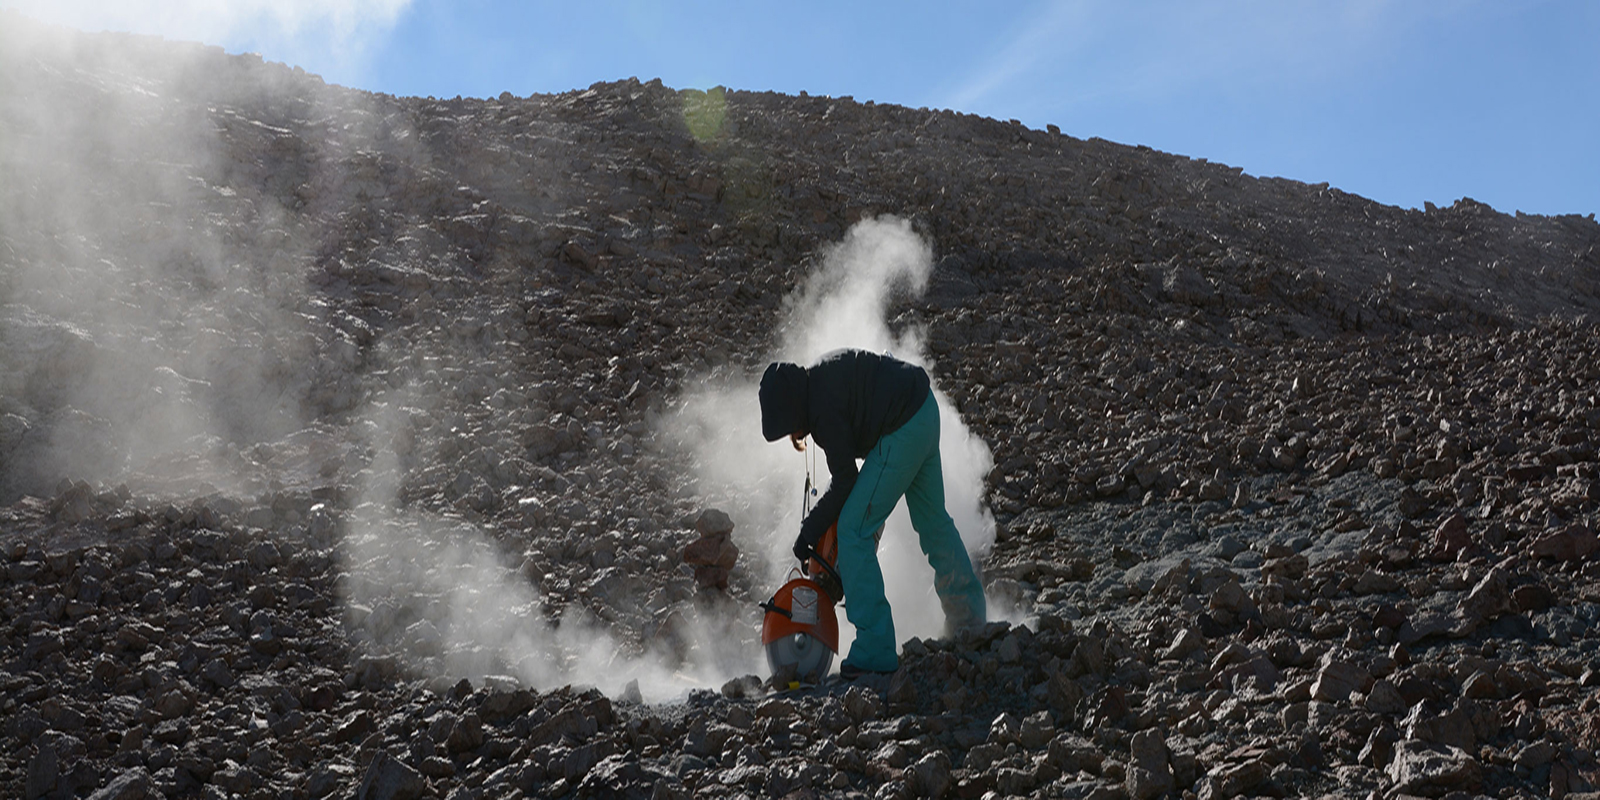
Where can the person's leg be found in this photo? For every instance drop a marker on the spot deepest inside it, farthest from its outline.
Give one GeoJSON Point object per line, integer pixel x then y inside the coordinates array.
{"type": "Point", "coordinates": [954, 580]}
{"type": "Point", "coordinates": [885, 473]}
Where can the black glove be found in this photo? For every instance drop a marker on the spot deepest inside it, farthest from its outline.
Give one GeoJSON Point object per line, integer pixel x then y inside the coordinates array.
{"type": "Point", "coordinates": [804, 547]}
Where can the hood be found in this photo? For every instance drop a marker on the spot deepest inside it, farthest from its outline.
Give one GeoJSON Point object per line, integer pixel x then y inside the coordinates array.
{"type": "Point", "coordinates": [783, 400]}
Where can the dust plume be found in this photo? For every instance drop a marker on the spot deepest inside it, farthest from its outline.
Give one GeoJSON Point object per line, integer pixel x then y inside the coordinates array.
{"type": "Point", "coordinates": [842, 304]}
{"type": "Point", "coordinates": [441, 592]}
{"type": "Point", "coordinates": [152, 299]}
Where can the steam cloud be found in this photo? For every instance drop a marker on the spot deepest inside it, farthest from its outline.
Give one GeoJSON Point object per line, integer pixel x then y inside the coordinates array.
{"type": "Point", "coordinates": [843, 304]}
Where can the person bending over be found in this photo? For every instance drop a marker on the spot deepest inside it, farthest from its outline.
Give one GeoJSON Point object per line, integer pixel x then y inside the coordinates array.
{"type": "Point", "coordinates": [860, 405]}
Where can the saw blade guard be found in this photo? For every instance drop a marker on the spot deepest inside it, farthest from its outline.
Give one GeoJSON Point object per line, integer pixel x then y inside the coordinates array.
{"type": "Point", "coordinates": [802, 656]}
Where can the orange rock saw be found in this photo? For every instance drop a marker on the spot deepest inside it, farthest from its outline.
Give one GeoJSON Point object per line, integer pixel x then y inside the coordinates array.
{"type": "Point", "coordinates": [800, 631]}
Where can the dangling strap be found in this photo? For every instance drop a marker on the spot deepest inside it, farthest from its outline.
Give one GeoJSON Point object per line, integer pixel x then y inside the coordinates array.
{"type": "Point", "coordinates": [810, 458]}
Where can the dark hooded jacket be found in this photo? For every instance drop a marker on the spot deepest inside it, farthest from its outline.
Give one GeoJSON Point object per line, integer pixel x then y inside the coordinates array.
{"type": "Point", "coordinates": [847, 402]}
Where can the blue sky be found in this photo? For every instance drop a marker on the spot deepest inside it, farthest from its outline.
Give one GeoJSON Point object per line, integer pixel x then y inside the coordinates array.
{"type": "Point", "coordinates": [1402, 101]}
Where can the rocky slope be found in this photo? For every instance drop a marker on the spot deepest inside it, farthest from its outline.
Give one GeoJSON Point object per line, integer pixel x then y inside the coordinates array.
{"type": "Point", "coordinates": [1297, 491]}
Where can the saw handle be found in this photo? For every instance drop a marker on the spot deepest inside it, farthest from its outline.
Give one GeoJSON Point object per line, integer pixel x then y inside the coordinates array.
{"type": "Point", "coordinates": [824, 552]}
{"type": "Point", "coordinates": [815, 557]}
{"type": "Point", "coordinates": [834, 584]}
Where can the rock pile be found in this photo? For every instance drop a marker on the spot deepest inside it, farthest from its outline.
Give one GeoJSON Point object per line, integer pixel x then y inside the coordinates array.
{"type": "Point", "coordinates": [1297, 492]}
{"type": "Point", "coordinates": [714, 554]}
{"type": "Point", "coordinates": [218, 661]}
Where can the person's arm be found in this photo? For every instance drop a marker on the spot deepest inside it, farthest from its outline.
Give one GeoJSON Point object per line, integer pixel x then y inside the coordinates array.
{"type": "Point", "coordinates": [842, 471]}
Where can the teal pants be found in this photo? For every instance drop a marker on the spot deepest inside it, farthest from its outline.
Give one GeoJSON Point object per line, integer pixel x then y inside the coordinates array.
{"type": "Point", "coordinates": [905, 464]}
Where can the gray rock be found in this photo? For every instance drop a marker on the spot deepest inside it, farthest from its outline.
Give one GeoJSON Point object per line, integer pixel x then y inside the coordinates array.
{"type": "Point", "coordinates": [1232, 780]}
{"type": "Point", "coordinates": [326, 779]}
{"type": "Point", "coordinates": [1384, 698]}
{"type": "Point", "coordinates": [130, 784]}
{"type": "Point", "coordinates": [1428, 768]}
{"type": "Point", "coordinates": [1453, 728]}
{"type": "Point", "coordinates": [713, 522]}
{"type": "Point", "coordinates": [1005, 729]}
{"type": "Point", "coordinates": [216, 672]}
{"type": "Point", "coordinates": [1338, 679]}
{"type": "Point", "coordinates": [902, 691]}
{"type": "Point", "coordinates": [43, 773]}
{"type": "Point", "coordinates": [930, 775]}
{"type": "Point", "coordinates": [1150, 771]}
{"type": "Point", "coordinates": [1185, 642]}
{"type": "Point", "coordinates": [389, 779]}
{"type": "Point", "coordinates": [623, 775]}
{"type": "Point", "coordinates": [1489, 598]}
{"type": "Point", "coordinates": [1013, 781]}
{"type": "Point", "coordinates": [861, 704]}
{"type": "Point", "coordinates": [1037, 730]}
{"type": "Point", "coordinates": [236, 778]}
